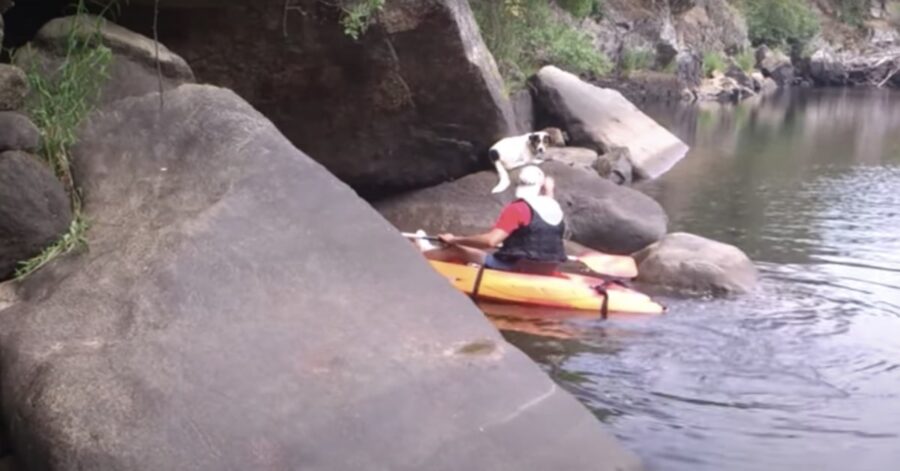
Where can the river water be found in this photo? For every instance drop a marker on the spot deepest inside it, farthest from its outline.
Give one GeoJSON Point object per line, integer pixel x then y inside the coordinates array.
{"type": "Point", "coordinates": [805, 372]}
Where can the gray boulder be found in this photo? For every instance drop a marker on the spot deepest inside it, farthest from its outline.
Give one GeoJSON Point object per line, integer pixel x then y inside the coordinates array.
{"type": "Point", "coordinates": [133, 69]}
{"type": "Point", "coordinates": [775, 64]}
{"type": "Point", "coordinates": [599, 213]}
{"type": "Point", "coordinates": [17, 132]}
{"type": "Point", "coordinates": [240, 308]}
{"type": "Point", "coordinates": [578, 157]}
{"type": "Point", "coordinates": [601, 118]}
{"type": "Point", "coordinates": [696, 265]}
{"type": "Point", "coordinates": [13, 87]}
{"type": "Point", "coordinates": [712, 25]}
{"type": "Point", "coordinates": [414, 102]}
{"type": "Point", "coordinates": [615, 165]}
{"type": "Point", "coordinates": [34, 209]}
{"type": "Point", "coordinates": [523, 108]}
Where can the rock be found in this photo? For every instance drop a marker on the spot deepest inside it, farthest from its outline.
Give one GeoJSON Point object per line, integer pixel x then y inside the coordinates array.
{"type": "Point", "coordinates": [523, 108]}
{"type": "Point", "coordinates": [599, 214]}
{"type": "Point", "coordinates": [578, 157]}
{"type": "Point", "coordinates": [17, 132]}
{"type": "Point", "coordinates": [615, 165]}
{"type": "Point", "coordinates": [736, 73]}
{"type": "Point", "coordinates": [34, 209]}
{"type": "Point", "coordinates": [689, 69]}
{"type": "Point", "coordinates": [417, 100]}
{"type": "Point", "coordinates": [8, 464]}
{"type": "Point", "coordinates": [601, 119]}
{"type": "Point", "coordinates": [13, 87]}
{"type": "Point", "coordinates": [712, 25]}
{"type": "Point", "coordinates": [693, 264]}
{"type": "Point", "coordinates": [233, 313]}
{"type": "Point", "coordinates": [853, 68]}
{"type": "Point", "coordinates": [775, 64]}
{"type": "Point", "coordinates": [723, 89]}
{"type": "Point", "coordinates": [132, 71]}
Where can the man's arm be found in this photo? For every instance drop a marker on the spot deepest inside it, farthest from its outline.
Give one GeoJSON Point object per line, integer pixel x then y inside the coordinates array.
{"type": "Point", "coordinates": [488, 240]}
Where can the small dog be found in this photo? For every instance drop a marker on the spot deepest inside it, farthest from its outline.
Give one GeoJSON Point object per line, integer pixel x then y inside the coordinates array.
{"type": "Point", "coordinates": [517, 151]}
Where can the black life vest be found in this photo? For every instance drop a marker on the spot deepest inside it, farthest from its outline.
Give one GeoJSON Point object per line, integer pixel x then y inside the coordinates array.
{"type": "Point", "coordinates": [539, 241]}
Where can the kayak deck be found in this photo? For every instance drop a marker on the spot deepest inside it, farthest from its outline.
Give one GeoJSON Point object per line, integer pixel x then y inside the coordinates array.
{"type": "Point", "coordinates": [568, 291]}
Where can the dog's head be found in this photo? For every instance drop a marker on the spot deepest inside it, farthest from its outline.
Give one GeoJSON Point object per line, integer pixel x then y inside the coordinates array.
{"type": "Point", "coordinates": [550, 137]}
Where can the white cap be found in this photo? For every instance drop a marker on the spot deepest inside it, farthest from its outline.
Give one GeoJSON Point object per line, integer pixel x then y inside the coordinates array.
{"type": "Point", "coordinates": [531, 179]}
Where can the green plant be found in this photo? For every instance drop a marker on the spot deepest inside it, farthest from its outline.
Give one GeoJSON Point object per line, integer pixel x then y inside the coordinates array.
{"type": "Point", "coordinates": [524, 35]}
{"type": "Point", "coordinates": [745, 60]}
{"type": "Point", "coordinates": [60, 99]}
{"type": "Point", "coordinates": [579, 8]}
{"type": "Point", "coordinates": [636, 59]}
{"type": "Point", "coordinates": [780, 22]}
{"type": "Point", "coordinates": [357, 15]}
{"type": "Point", "coordinates": [712, 62]}
{"type": "Point", "coordinates": [852, 12]}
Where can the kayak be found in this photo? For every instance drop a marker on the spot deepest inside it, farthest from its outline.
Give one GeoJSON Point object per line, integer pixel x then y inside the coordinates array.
{"type": "Point", "coordinates": [562, 290]}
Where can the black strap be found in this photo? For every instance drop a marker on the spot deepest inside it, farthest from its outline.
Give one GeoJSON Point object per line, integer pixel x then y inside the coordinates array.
{"type": "Point", "coordinates": [604, 307]}
{"type": "Point", "coordinates": [477, 286]}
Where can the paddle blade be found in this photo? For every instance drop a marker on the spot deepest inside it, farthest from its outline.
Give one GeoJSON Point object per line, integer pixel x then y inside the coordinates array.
{"type": "Point", "coordinates": [620, 266]}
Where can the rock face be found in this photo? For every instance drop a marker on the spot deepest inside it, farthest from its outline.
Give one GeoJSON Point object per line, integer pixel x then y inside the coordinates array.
{"type": "Point", "coordinates": [850, 68]}
{"type": "Point", "coordinates": [34, 209]}
{"type": "Point", "coordinates": [599, 214]}
{"type": "Point", "coordinates": [414, 102]}
{"type": "Point", "coordinates": [132, 71]}
{"type": "Point", "coordinates": [602, 119]}
{"type": "Point", "coordinates": [240, 308]}
{"type": "Point", "coordinates": [775, 64]}
{"type": "Point", "coordinates": [17, 132]}
{"type": "Point", "coordinates": [13, 87]}
{"type": "Point", "coordinates": [712, 25]}
{"type": "Point", "coordinates": [693, 264]}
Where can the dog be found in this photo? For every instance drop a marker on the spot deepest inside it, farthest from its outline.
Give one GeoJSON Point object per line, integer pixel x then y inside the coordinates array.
{"type": "Point", "coordinates": [517, 151]}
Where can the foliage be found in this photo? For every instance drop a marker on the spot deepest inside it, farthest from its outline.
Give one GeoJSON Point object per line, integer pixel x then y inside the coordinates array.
{"type": "Point", "coordinates": [524, 35]}
{"type": "Point", "coordinates": [852, 12]}
{"type": "Point", "coordinates": [712, 62]}
{"type": "Point", "coordinates": [746, 61]}
{"type": "Point", "coordinates": [581, 8]}
{"type": "Point", "coordinates": [780, 22]}
{"type": "Point", "coordinates": [636, 59]}
{"type": "Point", "coordinates": [59, 101]}
{"type": "Point", "coordinates": [357, 15]}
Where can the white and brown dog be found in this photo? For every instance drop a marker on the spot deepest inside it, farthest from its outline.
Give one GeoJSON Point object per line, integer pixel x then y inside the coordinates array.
{"type": "Point", "coordinates": [517, 151]}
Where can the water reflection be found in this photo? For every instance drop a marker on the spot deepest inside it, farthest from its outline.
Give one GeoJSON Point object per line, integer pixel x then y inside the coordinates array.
{"type": "Point", "coordinates": [804, 373]}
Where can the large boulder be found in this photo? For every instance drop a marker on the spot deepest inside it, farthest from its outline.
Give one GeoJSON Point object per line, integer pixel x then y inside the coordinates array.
{"type": "Point", "coordinates": [34, 209]}
{"type": "Point", "coordinates": [601, 118]}
{"type": "Point", "coordinates": [414, 102]}
{"type": "Point", "coordinates": [13, 87]}
{"type": "Point", "coordinates": [775, 64]}
{"type": "Point", "coordinates": [695, 265]}
{"type": "Point", "coordinates": [241, 308]}
{"type": "Point", "coordinates": [133, 68]}
{"type": "Point", "coordinates": [599, 213]}
{"type": "Point", "coordinates": [17, 132]}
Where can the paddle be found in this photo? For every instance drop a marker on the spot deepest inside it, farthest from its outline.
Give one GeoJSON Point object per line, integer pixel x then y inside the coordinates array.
{"type": "Point", "coordinates": [619, 266]}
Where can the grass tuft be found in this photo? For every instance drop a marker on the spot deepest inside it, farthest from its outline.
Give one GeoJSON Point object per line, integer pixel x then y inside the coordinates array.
{"type": "Point", "coordinates": [712, 62]}
{"type": "Point", "coordinates": [60, 99]}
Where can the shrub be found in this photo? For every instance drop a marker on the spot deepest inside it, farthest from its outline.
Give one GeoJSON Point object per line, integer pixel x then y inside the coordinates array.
{"type": "Point", "coordinates": [580, 8]}
{"type": "Point", "coordinates": [780, 22]}
{"type": "Point", "coordinates": [746, 61]}
{"type": "Point", "coordinates": [852, 12]}
{"type": "Point", "coordinates": [524, 35]}
{"type": "Point", "coordinates": [712, 61]}
{"type": "Point", "coordinates": [636, 59]}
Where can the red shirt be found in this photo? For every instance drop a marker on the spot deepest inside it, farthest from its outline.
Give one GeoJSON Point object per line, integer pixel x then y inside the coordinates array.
{"type": "Point", "coordinates": [513, 216]}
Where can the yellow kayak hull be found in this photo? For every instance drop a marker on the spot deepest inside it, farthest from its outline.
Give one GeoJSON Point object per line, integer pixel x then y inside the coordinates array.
{"type": "Point", "coordinates": [567, 291]}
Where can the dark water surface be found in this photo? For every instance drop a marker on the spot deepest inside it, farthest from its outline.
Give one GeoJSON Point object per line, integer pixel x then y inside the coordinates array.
{"type": "Point", "coordinates": [802, 374]}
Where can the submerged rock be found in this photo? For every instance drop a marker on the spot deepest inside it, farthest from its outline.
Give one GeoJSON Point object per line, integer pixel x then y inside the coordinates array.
{"type": "Point", "coordinates": [34, 209]}
{"type": "Point", "coordinates": [599, 213]}
{"type": "Point", "coordinates": [415, 101]}
{"type": "Point", "coordinates": [17, 132]}
{"type": "Point", "coordinates": [601, 118]}
{"type": "Point", "coordinates": [241, 308]}
{"type": "Point", "coordinates": [693, 264]}
{"type": "Point", "coordinates": [133, 68]}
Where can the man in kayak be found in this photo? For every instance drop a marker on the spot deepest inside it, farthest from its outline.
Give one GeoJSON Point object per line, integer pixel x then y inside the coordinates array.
{"type": "Point", "coordinates": [528, 235]}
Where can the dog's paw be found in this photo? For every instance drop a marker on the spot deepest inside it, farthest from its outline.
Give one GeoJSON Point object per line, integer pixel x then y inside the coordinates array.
{"type": "Point", "coordinates": [500, 188]}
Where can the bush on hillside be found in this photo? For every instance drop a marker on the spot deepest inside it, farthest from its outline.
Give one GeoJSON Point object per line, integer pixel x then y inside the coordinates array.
{"type": "Point", "coordinates": [852, 12]}
{"type": "Point", "coordinates": [524, 35]}
{"type": "Point", "coordinates": [712, 62]}
{"type": "Point", "coordinates": [780, 23]}
{"type": "Point", "coordinates": [581, 8]}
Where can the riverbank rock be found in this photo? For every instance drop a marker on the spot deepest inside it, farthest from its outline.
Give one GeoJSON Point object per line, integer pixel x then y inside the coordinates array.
{"type": "Point", "coordinates": [724, 89]}
{"type": "Point", "coordinates": [34, 209]}
{"type": "Point", "coordinates": [775, 64]}
{"type": "Point", "coordinates": [578, 157]}
{"type": "Point", "coordinates": [133, 68]}
{"type": "Point", "coordinates": [241, 308]}
{"type": "Point", "coordinates": [17, 132]}
{"type": "Point", "coordinates": [849, 68]}
{"type": "Point", "coordinates": [599, 213]}
{"type": "Point", "coordinates": [693, 264]}
{"type": "Point", "coordinates": [415, 101]}
{"type": "Point", "coordinates": [601, 119]}
{"type": "Point", "coordinates": [13, 87]}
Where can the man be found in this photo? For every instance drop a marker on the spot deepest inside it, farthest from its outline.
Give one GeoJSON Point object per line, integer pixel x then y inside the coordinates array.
{"type": "Point", "coordinates": [528, 233]}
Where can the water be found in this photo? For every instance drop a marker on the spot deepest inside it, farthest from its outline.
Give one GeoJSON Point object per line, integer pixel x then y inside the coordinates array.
{"type": "Point", "coordinates": [805, 372]}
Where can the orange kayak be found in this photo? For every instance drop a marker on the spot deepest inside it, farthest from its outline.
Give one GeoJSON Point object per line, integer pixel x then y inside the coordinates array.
{"type": "Point", "coordinates": [565, 290]}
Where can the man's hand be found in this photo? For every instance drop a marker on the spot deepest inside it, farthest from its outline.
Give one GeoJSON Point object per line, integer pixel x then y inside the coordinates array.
{"type": "Point", "coordinates": [447, 238]}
